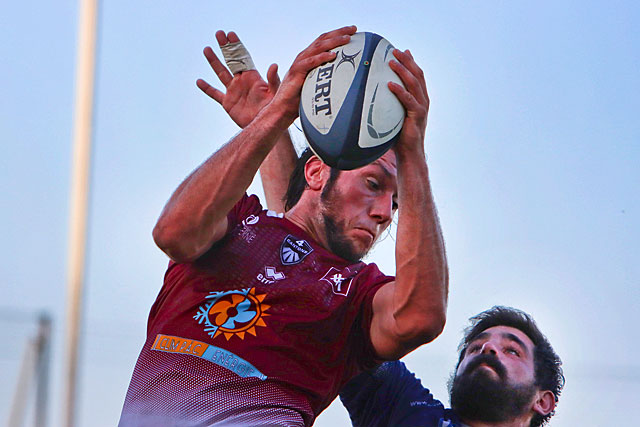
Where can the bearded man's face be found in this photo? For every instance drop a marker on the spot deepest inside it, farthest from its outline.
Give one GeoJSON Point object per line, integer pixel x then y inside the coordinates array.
{"type": "Point", "coordinates": [495, 381]}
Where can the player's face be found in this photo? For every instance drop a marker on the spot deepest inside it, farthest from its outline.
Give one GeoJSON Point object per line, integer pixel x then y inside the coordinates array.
{"type": "Point", "coordinates": [496, 378]}
{"type": "Point", "coordinates": [502, 345]}
{"type": "Point", "coordinates": [359, 206]}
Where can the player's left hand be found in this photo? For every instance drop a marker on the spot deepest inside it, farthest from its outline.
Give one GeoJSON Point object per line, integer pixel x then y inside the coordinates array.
{"type": "Point", "coordinates": [414, 98]}
{"type": "Point", "coordinates": [246, 92]}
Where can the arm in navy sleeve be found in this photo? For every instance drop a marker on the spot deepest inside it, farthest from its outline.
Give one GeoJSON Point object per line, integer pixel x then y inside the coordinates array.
{"type": "Point", "coordinates": [390, 395]}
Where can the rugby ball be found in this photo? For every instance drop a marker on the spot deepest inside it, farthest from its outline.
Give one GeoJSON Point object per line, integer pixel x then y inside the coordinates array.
{"type": "Point", "coordinates": [347, 112]}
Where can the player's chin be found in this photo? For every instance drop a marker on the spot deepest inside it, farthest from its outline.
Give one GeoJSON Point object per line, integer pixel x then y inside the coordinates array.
{"type": "Point", "coordinates": [353, 250]}
{"type": "Point", "coordinates": [362, 240]}
{"type": "Point", "coordinates": [349, 251]}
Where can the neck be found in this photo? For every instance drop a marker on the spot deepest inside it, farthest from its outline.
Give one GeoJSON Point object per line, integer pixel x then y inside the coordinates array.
{"type": "Point", "coordinates": [310, 222]}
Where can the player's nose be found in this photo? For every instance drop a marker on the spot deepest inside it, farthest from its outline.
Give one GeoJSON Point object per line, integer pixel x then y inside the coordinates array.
{"type": "Point", "coordinates": [382, 208]}
{"type": "Point", "coordinates": [489, 347]}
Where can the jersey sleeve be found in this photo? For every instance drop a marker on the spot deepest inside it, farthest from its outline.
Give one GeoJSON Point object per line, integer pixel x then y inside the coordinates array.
{"type": "Point", "coordinates": [246, 206]}
{"type": "Point", "coordinates": [367, 283]}
{"type": "Point", "coordinates": [390, 395]}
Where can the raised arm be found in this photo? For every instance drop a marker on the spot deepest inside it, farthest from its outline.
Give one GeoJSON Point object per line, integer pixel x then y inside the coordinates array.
{"type": "Point", "coordinates": [411, 310]}
{"type": "Point", "coordinates": [195, 215]}
{"type": "Point", "coordinates": [246, 94]}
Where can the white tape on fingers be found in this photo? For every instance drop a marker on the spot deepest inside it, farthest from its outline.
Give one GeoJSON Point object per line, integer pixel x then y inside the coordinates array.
{"type": "Point", "coordinates": [237, 57]}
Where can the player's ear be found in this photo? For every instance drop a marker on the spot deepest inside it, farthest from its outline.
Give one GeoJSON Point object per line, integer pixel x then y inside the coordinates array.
{"type": "Point", "coordinates": [316, 173]}
{"type": "Point", "coordinates": [545, 402]}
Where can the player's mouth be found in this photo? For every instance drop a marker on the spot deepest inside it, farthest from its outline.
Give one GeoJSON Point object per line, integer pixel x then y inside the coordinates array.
{"type": "Point", "coordinates": [489, 367]}
{"type": "Point", "coordinates": [368, 234]}
{"type": "Point", "coordinates": [487, 363]}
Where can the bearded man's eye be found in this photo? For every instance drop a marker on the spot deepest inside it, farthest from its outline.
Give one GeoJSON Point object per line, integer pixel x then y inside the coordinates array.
{"type": "Point", "coordinates": [513, 351]}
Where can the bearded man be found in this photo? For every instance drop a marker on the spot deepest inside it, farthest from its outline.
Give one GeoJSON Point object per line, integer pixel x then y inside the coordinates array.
{"type": "Point", "coordinates": [507, 375]}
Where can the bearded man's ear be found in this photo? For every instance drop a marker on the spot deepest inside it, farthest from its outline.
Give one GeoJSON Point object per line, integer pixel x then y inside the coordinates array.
{"type": "Point", "coordinates": [545, 402]}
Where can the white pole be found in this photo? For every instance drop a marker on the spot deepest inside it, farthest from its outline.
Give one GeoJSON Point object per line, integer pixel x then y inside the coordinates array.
{"type": "Point", "coordinates": [82, 132]}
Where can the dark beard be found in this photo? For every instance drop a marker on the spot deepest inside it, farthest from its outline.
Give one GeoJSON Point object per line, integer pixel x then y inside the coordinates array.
{"type": "Point", "coordinates": [338, 244]}
{"type": "Point", "coordinates": [477, 396]}
{"type": "Point", "coordinates": [334, 229]}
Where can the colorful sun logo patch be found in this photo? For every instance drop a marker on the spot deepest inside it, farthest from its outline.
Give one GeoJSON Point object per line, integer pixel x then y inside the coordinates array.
{"type": "Point", "coordinates": [232, 313]}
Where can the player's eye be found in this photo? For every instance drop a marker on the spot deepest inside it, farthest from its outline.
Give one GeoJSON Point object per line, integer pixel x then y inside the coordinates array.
{"type": "Point", "coordinates": [373, 184]}
{"type": "Point", "coordinates": [474, 348]}
{"type": "Point", "coordinates": [513, 351]}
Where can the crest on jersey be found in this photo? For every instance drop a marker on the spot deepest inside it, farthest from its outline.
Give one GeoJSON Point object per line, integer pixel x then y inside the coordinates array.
{"type": "Point", "coordinates": [339, 284]}
{"type": "Point", "coordinates": [232, 313]}
{"type": "Point", "coordinates": [293, 251]}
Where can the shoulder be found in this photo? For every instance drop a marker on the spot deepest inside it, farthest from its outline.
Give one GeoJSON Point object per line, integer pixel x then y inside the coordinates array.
{"type": "Point", "coordinates": [367, 280]}
{"type": "Point", "coordinates": [390, 395]}
{"type": "Point", "coordinates": [391, 377]}
{"type": "Point", "coordinates": [371, 274]}
{"type": "Point", "coordinates": [245, 209]}
{"type": "Point", "coordinates": [247, 205]}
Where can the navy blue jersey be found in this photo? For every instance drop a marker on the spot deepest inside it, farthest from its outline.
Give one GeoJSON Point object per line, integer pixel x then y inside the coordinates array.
{"type": "Point", "coordinates": [392, 396]}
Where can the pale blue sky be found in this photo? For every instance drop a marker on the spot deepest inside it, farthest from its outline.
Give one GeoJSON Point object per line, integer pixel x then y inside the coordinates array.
{"type": "Point", "coordinates": [533, 145]}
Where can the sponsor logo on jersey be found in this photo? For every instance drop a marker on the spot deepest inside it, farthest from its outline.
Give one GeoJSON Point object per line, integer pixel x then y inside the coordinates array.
{"type": "Point", "coordinates": [250, 220]}
{"type": "Point", "coordinates": [339, 283]}
{"type": "Point", "coordinates": [435, 403]}
{"type": "Point", "coordinates": [173, 344]}
{"type": "Point", "coordinates": [293, 251]}
{"type": "Point", "coordinates": [219, 356]}
{"type": "Point", "coordinates": [232, 313]}
{"type": "Point", "coordinates": [247, 234]}
{"type": "Point", "coordinates": [270, 276]}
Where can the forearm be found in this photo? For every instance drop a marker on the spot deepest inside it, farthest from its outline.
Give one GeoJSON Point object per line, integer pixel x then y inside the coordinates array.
{"type": "Point", "coordinates": [247, 93]}
{"type": "Point", "coordinates": [421, 286]}
{"type": "Point", "coordinates": [195, 215]}
{"type": "Point", "coordinates": [411, 311]}
{"type": "Point", "coordinates": [276, 170]}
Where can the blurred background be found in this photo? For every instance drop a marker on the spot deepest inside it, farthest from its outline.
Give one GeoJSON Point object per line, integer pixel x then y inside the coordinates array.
{"type": "Point", "coordinates": [533, 145]}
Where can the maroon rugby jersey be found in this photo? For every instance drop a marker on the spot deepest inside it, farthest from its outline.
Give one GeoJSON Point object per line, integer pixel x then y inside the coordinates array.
{"type": "Point", "coordinates": [264, 329]}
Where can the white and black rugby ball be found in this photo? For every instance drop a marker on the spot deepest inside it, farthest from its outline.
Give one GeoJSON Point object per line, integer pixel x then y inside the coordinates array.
{"type": "Point", "coordinates": [348, 114]}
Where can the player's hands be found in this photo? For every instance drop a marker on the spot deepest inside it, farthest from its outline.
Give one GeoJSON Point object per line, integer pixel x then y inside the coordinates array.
{"type": "Point", "coordinates": [246, 92]}
{"type": "Point", "coordinates": [414, 98]}
{"type": "Point", "coordinates": [288, 96]}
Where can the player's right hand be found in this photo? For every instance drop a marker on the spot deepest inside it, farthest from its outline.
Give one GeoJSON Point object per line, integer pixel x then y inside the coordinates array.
{"type": "Point", "coordinates": [287, 98]}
